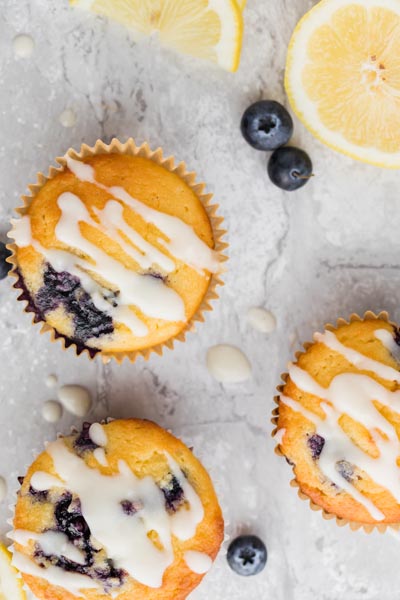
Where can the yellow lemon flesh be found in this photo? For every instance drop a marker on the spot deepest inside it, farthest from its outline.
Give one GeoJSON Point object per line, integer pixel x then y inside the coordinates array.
{"type": "Point", "coordinates": [343, 77]}
{"type": "Point", "coordinates": [209, 29]}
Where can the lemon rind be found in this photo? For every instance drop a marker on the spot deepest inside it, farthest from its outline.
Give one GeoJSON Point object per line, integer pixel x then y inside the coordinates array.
{"type": "Point", "coordinates": [296, 57]}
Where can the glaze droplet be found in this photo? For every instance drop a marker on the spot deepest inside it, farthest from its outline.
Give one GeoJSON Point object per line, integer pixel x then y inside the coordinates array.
{"type": "Point", "coordinates": [23, 46]}
{"type": "Point", "coordinates": [76, 399]}
{"type": "Point", "coordinates": [228, 364]}
{"type": "Point", "coordinates": [261, 319]}
{"type": "Point", "coordinates": [67, 118]}
{"type": "Point", "coordinates": [51, 381]}
{"type": "Point", "coordinates": [52, 411]}
{"type": "Point", "coordinates": [3, 489]}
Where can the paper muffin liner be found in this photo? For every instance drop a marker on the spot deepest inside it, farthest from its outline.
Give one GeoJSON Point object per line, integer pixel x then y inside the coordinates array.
{"type": "Point", "coordinates": [127, 148]}
{"type": "Point", "coordinates": [340, 521]}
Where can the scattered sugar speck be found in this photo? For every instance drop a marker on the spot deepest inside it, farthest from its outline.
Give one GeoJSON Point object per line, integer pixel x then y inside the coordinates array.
{"type": "Point", "coordinates": [67, 118]}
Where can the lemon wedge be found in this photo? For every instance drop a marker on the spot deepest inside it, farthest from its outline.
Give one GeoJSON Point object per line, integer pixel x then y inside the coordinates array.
{"type": "Point", "coordinates": [343, 77]}
{"type": "Point", "coordinates": [10, 583]}
{"type": "Point", "coordinates": [210, 29]}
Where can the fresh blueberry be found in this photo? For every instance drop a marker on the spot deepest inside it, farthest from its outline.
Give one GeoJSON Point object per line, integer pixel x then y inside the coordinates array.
{"type": "Point", "coordinates": [130, 508]}
{"type": "Point", "coordinates": [4, 266]}
{"type": "Point", "coordinates": [290, 168]}
{"type": "Point", "coordinates": [266, 125]}
{"type": "Point", "coordinates": [247, 555]}
{"type": "Point", "coordinates": [316, 444]}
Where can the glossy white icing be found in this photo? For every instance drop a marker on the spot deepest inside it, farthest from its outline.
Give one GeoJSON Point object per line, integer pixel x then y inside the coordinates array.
{"type": "Point", "coordinates": [182, 241]}
{"type": "Point", "coordinates": [76, 399]}
{"type": "Point", "coordinates": [125, 537]}
{"type": "Point", "coordinates": [353, 394]}
{"type": "Point", "coordinates": [261, 319]}
{"type": "Point", "coordinates": [51, 381]}
{"type": "Point", "coordinates": [42, 481]}
{"type": "Point", "coordinates": [52, 411]}
{"type": "Point", "coordinates": [100, 456]}
{"type": "Point", "coordinates": [21, 232]}
{"type": "Point", "coordinates": [279, 435]}
{"type": "Point", "coordinates": [329, 339]}
{"type": "Point", "coordinates": [228, 364]}
{"type": "Point", "coordinates": [3, 489]}
{"type": "Point", "coordinates": [198, 562]}
{"type": "Point", "coordinates": [73, 582]}
{"type": "Point", "coordinates": [23, 45]}
{"type": "Point", "coordinates": [149, 294]}
{"type": "Point", "coordinates": [68, 118]}
{"type": "Point", "coordinates": [97, 434]}
{"type": "Point", "coordinates": [53, 543]}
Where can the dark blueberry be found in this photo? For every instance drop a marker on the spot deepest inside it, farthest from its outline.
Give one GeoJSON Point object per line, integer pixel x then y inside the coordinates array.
{"type": "Point", "coordinates": [397, 335]}
{"type": "Point", "coordinates": [40, 496]}
{"type": "Point", "coordinates": [345, 469]}
{"type": "Point", "coordinates": [289, 168]}
{"type": "Point", "coordinates": [316, 444]}
{"type": "Point", "coordinates": [266, 125]}
{"type": "Point", "coordinates": [247, 555]}
{"type": "Point", "coordinates": [173, 493]}
{"type": "Point", "coordinates": [20, 480]}
{"type": "Point", "coordinates": [130, 508]}
{"type": "Point", "coordinates": [4, 266]}
{"type": "Point", "coordinates": [84, 442]}
{"type": "Point", "coordinates": [110, 572]}
{"type": "Point", "coordinates": [69, 519]}
{"type": "Point", "coordinates": [64, 289]}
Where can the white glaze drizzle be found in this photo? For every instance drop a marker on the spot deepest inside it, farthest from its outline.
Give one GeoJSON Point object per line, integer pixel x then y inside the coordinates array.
{"type": "Point", "coordinates": [329, 339]}
{"type": "Point", "coordinates": [279, 435]}
{"type": "Point", "coordinates": [353, 394]}
{"type": "Point", "coordinates": [125, 537]}
{"type": "Point", "coordinates": [183, 242]}
{"type": "Point", "coordinates": [42, 481]}
{"type": "Point", "coordinates": [98, 435]}
{"type": "Point", "coordinates": [151, 295]}
{"type": "Point", "coordinates": [53, 543]}
{"type": "Point", "coordinates": [73, 582]}
{"type": "Point", "coordinates": [198, 562]}
{"type": "Point", "coordinates": [100, 456]}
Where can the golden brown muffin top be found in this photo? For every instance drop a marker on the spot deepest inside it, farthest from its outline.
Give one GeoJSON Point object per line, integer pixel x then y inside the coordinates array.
{"type": "Point", "coordinates": [339, 421]}
{"type": "Point", "coordinates": [116, 252]}
{"type": "Point", "coordinates": [123, 509]}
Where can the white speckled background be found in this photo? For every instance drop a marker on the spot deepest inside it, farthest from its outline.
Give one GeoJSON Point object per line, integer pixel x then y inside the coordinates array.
{"type": "Point", "coordinates": [323, 252]}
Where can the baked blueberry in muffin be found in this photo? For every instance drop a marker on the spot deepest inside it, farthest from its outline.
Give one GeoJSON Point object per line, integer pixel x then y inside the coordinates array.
{"type": "Point", "coordinates": [338, 419]}
{"type": "Point", "coordinates": [123, 510]}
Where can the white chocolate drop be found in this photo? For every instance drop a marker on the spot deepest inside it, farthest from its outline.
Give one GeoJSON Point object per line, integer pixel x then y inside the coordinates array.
{"type": "Point", "coordinates": [67, 118]}
{"type": "Point", "coordinates": [228, 364]}
{"type": "Point", "coordinates": [198, 562]}
{"type": "Point", "coordinates": [76, 399]}
{"type": "Point", "coordinates": [97, 434]}
{"type": "Point", "coordinates": [23, 46]}
{"type": "Point", "coordinates": [52, 411]}
{"type": "Point", "coordinates": [3, 489]}
{"type": "Point", "coordinates": [261, 319]}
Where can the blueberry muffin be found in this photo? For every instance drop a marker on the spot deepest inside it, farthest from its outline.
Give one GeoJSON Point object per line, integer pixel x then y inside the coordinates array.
{"type": "Point", "coordinates": [116, 251]}
{"type": "Point", "coordinates": [121, 510]}
{"type": "Point", "coordinates": [338, 421]}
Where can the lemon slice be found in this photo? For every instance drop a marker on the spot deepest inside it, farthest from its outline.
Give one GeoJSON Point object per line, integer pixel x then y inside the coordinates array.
{"type": "Point", "coordinates": [10, 584]}
{"type": "Point", "coordinates": [343, 77]}
{"type": "Point", "coordinates": [210, 29]}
